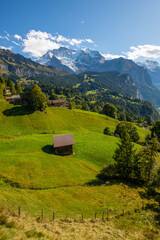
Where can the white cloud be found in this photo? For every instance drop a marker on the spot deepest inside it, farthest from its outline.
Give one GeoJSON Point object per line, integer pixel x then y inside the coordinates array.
{"type": "Point", "coordinates": [16, 43]}
{"type": "Point", "coordinates": [6, 48]}
{"type": "Point", "coordinates": [38, 46]}
{"type": "Point", "coordinates": [145, 51]}
{"type": "Point", "coordinates": [18, 37]}
{"type": "Point", "coordinates": [88, 40]}
{"type": "Point", "coordinates": [111, 56]}
{"type": "Point", "coordinates": [38, 43]}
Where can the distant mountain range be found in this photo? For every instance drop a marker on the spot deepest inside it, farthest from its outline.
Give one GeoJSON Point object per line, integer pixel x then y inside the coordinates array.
{"type": "Point", "coordinates": [76, 61]}
{"type": "Point", "coordinates": [120, 75]}
{"type": "Point", "coordinates": [73, 61]}
{"type": "Point", "coordinates": [16, 64]}
{"type": "Point", "coordinates": [153, 68]}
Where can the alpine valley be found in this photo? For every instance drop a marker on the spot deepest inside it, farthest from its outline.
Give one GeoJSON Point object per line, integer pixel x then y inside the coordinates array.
{"type": "Point", "coordinates": [67, 67]}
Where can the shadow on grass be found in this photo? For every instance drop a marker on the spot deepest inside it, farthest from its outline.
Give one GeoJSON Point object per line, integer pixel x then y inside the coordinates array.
{"type": "Point", "coordinates": [48, 149]}
{"type": "Point", "coordinates": [18, 111]}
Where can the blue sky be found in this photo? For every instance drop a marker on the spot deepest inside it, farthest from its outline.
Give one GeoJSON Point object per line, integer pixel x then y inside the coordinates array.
{"type": "Point", "coordinates": [128, 28]}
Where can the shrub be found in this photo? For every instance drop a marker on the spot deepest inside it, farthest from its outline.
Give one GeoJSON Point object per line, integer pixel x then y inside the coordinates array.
{"type": "Point", "coordinates": [107, 131]}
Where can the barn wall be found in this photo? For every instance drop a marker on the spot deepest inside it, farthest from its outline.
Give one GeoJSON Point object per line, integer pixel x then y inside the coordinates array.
{"type": "Point", "coordinates": [64, 150]}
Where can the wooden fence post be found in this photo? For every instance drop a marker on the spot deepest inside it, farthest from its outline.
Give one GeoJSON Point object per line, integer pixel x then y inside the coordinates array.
{"type": "Point", "coordinates": [19, 210]}
{"type": "Point", "coordinates": [123, 212]}
{"type": "Point", "coordinates": [42, 215]}
{"type": "Point", "coordinates": [82, 216]}
{"type": "Point", "coordinates": [66, 216]}
{"type": "Point", "coordinates": [9, 209]}
{"type": "Point", "coordinates": [103, 216]}
{"type": "Point", "coordinates": [53, 215]}
{"type": "Point", "coordinates": [107, 214]}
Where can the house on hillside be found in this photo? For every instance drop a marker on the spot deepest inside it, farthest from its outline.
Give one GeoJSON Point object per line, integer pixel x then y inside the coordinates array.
{"type": "Point", "coordinates": [58, 103]}
{"type": "Point", "coordinates": [8, 92]}
{"type": "Point", "coordinates": [14, 99]}
{"type": "Point", "coordinates": [63, 144]}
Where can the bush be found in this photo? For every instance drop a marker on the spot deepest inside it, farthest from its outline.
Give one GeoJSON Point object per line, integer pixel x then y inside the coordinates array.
{"type": "Point", "coordinates": [107, 131]}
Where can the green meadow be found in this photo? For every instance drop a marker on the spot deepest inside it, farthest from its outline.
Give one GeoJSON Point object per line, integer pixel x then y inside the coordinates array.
{"type": "Point", "coordinates": [33, 177]}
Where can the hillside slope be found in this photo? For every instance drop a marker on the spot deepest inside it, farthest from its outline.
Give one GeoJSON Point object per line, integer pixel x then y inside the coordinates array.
{"type": "Point", "coordinates": [17, 65]}
{"type": "Point", "coordinates": [33, 177]}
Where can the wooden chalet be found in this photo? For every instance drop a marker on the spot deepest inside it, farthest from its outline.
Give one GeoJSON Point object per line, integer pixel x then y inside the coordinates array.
{"type": "Point", "coordinates": [8, 92]}
{"type": "Point", "coordinates": [58, 103]}
{"type": "Point", "coordinates": [63, 144]}
{"type": "Point", "coordinates": [14, 99]}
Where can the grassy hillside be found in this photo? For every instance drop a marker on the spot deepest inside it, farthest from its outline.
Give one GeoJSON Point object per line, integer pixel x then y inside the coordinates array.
{"type": "Point", "coordinates": [33, 177]}
{"type": "Point", "coordinates": [24, 227]}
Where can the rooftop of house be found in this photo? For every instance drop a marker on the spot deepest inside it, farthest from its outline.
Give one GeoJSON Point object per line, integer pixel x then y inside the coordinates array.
{"type": "Point", "coordinates": [63, 140]}
{"type": "Point", "coordinates": [58, 101]}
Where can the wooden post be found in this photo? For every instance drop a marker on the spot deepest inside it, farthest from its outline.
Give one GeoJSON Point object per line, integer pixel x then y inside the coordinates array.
{"type": "Point", "coordinates": [107, 214]}
{"type": "Point", "coordinates": [66, 216]}
{"type": "Point", "coordinates": [103, 216]}
{"type": "Point", "coordinates": [82, 216]}
{"type": "Point", "coordinates": [138, 208]}
{"type": "Point", "coordinates": [95, 216]}
{"type": "Point", "coordinates": [19, 210]}
{"type": "Point", "coordinates": [42, 215]}
{"type": "Point", "coordinates": [53, 215]}
{"type": "Point", "coordinates": [123, 212]}
{"type": "Point", "coordinates": [143, 207]}
{"type": "Point", "coordinates": [9, 210]}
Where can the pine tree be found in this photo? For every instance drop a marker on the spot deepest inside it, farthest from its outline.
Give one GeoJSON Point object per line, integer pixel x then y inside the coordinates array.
{"type": "Point", "coordinates": [124, 156]}
{"type": "Point", "coordinates": [18, 88]}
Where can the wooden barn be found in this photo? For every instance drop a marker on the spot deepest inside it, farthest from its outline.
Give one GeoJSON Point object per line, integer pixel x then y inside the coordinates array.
{"type": "Point", "coordinates": [63, 144]}
{"type": "Point", "coordinates": [58, 103]}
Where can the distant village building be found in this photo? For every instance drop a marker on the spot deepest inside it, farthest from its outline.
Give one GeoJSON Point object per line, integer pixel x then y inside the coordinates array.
{"type": "Point", "coordinates": [58, 103]}
{"type": "Point", "coordinates": [14, 99]}
{"type": "Point", "coordinates": [63, 144]}
{"type": "Point", "coordinates": [8, 92]}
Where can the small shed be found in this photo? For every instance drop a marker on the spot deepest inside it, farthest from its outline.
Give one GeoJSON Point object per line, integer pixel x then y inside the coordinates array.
{"type": "Point", "coordinates": [58, 103]}
{"type": "Point", "coordinates": [63, 144]}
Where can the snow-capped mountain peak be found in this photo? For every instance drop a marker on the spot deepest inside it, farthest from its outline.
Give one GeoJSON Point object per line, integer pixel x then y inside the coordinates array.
{"type": "Point", "coordinates": [150, 65]}
{"type": "Point", "coordinates": [75, 60]}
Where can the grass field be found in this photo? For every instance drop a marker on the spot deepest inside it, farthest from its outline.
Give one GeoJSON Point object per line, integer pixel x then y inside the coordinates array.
{"type": "Point", "coordinates": [24, 227]}
{"type": "Point", "coordinates": [33, 177]}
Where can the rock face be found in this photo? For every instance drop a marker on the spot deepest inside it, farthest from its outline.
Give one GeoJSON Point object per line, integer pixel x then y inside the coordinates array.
{"type": "Point", "coordinates": [11, 63]}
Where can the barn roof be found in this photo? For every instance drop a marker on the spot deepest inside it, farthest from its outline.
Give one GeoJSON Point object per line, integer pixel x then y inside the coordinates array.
{"type": "Point", "coordinates": [57, 101]}
{"type": "Point", "coordinates": [63, 140]}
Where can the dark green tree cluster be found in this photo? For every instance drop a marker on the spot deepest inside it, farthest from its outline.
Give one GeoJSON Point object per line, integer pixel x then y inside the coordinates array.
{"type": "Point", "coordinates": [133, 110]}
{"type": "Point", "coordinates": [35, 98]}
{"type": "Point", "coordinates": [130, 128]}
{"type": "Point", "coordinates": [7, 83]}
{"type": "Point", "coordinates": [132, 165]}
{"type": "Point", "coordinates": [110, 110]}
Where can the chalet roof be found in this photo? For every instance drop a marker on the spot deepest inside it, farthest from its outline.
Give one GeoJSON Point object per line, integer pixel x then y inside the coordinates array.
{"type": "Point", "coordinates": [16, 97]}
{"type": "Point", "coordinates": [63, 140]}
{"type": "Point", "coordinates": [57, 101]}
